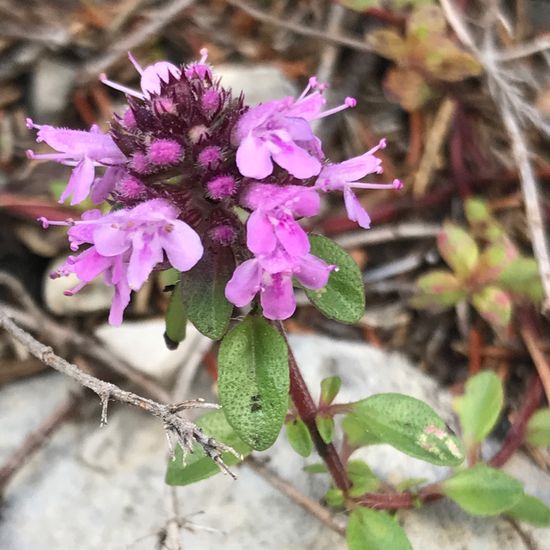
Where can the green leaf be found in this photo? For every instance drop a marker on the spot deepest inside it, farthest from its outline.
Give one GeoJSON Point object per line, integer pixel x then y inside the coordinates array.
{"type": "Point", "coordinates": [356, 433]}
{"type": "Point", "coordinates": [480, 406]}
{"type": "Point", "coordinates": [372, 530]}
{"type": "Point", "coordinates": [319, 468]}
{"type": "Point", "coordinates": [204, 292]}
{"type": "Point", "coordinates": [495, 259]}
{"type": "Point", "coordinates": [325, 425]}
{"type": "Point", "coordinates": [360, 5]}
{"type": "Point", "coordinates": [176, 319]}
{"type": "Point", "coordinates": [531, 510]}
{"type": "Point", "coordinates": [334, 497]}
{"type": "Point", "coordinates": [362, 478]}
{"type": "Point", "coordinates": [481, 220]}
{"type": "Point", "coordinates": [438, 288]}
{"type": "Point", "coordinates": [522, 277]}
{"type": "Point", "coordinates": [410, 426]}
{"type": "Point", "coordinates": [483, 491]}
{"type": "Point", "coordinates": [299, 437]}
{"type": "Point", "coordinates": [458, 249]}
{"type": "Point", "coordinates": [494, 305]}
{"type": "Point", "coordinates": [253, 381]}
{"type": "Point", "coordinates": [408, 484]}
{"type": "Point", "coordinates": [343, 299]}
{"type": "Point", "coordinates": [538, 428]}
{"type": "Point", "coordinates": [329, 389]}
{"type": "Point", "coordinates": [198, 466]}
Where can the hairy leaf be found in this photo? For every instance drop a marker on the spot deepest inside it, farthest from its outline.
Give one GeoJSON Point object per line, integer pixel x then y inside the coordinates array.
{"type": "Point", "coordinates": [411, 426]}
{"type": "Point", "coordinates": [343, 299]}
{"type": "Point", "coordinates": [480, 406]}
{"type": "Point", "coordinates": [373, 530]}
{"type": "Point", "coordinates": [253, 381]}
{"type": "Point", "coordinates": [483, 491]}
{"type": "Point", "coordinates": [197, 465]}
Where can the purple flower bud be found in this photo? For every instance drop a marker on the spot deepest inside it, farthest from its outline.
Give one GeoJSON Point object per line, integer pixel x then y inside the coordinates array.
{"type": "Point", "coordinates": [221, 187]}
{"type": "Point", "coordinates": [139, 163]}
{"type": "Point", "coordinates": [165, 152]}
{"type": "Point", "coordinates": [210, 100]}
{"type": "Point", "coordinates": [224, 234]}
{"type": "Point", "coordinates": [210, 157]}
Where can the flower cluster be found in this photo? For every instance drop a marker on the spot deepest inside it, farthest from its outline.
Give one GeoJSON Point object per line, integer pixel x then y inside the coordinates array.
{"type": "Point", "coordinates": [181, 166]}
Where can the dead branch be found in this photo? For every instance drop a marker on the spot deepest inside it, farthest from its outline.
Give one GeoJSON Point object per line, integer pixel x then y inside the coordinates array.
{"type": "Point", "coordinates": [184, 432]}
{"type": "Point", "coordinates": [513, 110]}
{"type": "Point", "coordinates": [308, 504]}
{"type": "Point", "coordinates": [36, 439]}
{"type": "Point", "coordinates": [301, 29]}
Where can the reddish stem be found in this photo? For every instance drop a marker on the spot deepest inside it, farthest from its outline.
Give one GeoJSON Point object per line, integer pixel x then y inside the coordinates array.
{"type": "Point", "coordinates": [516, 434]}
{"type": "Point", "coordinates": [307, 410]}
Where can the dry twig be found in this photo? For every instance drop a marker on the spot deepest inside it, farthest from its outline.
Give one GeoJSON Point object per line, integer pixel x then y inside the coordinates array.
{"type": "Point", "coordinates": [301, 29]}
{"type": "Point", "coordinates": [185, 433]}
{"type": "Point", "coordinates": [513, 110]}
{"type": "Point", "coordinates": [36, 439]}
{"type": "Point", "coordinates": [308, 504]}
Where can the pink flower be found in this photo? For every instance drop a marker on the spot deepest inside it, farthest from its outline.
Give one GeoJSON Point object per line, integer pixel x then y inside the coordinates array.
{"type": "Point", "coordinates": [272, 223]}
{"type": "Point", "coordinates": [78, 148]}
{"type": "Point", "coordinates": [279, 131]}
{"type": "Point", "coordinates": [272, 277]}
{"type": "Point", "coordinates": [127, 245]}
{"type": "Point", "coordinates": [344, 175]}
{"type": "Point", "coordinates": [152, 78]}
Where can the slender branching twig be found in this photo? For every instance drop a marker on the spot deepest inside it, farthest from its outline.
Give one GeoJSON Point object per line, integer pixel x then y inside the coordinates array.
{"type": "Point", "coordinates": [184, 432]}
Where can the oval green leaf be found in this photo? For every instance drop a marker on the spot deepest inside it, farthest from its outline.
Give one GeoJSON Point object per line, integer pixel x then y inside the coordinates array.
{"type": "Point", "coordinates": [299, 437]}
{"type": "Point", "coordinates": [253, 381]}
{"type": "Point", "coordinates": [531, 510]}
{"type": "Point", "coordinates": [343, 298]}
{"type": "Point", "coordinates": [176, 319]}
{"type": "Point", "coordinates": [458, 249]}
{"type": "Point", "coordinates": [480, 406]}
{"type": "Point", "coordinates": [325, 425]}
{"type": "Point", "coordinates": [538, 428]}
{"type": "Point", "coordinates": [410, 426]}
{"type": "Point", "coordinates": [198, 466]}
{"type": "Point", "coordinates": [329, 389]}
{"type": "Point", "coordinates": [483, 491]}
{"type": "Point", "coordinates": [494, 305]}
{"type": "Point", "coordinates": [372, 530]}
{"type": "Point", "coordinates": [203, 289]}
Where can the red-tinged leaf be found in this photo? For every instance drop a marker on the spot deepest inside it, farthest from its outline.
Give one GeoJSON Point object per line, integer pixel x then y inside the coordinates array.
{"type": "Point", "coordinates": [426, 21]}
{"type": "Point", "coordinates": [388, 44]}
{"type": "Point", "coordinates": [33, 207]}
{"type": "Point", "coordinates": [438, 288]}
{"type": "Point", "coordinates": [494, 260]}
{"type": "Point", "coordinates": [494, 305]}
{"type": "Point", "coordinates": [458, 249]}
{"type": "Point", "coordinates": [408, 88]}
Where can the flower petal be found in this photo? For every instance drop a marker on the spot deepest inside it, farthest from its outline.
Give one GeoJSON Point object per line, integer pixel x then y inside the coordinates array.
{"type": "Point", "coordinates": [260, 236]}
{"type": "Point", "coordinates": [182, 245]}
{"type": "Point", "coordinates": [121, 299]}
{"type": "Point", "coordinates": [253, 158]}
{"type": "Point", "coordinates": [296, 161]}
{"type": "Point", "coordinates": [354, 209]}
{"type": "Point", "coordinates": [80, 182]}
{"type": "Point", "coordinates": [292, 237]}
{"type": "Point", "coordinates": [146, 254]}
{"type": "Point", "coordinates": [312, 272]}
{"type": "Point", "coordinates": [244, 284]}
{"type": "Point", "coordinates": [277, 297]}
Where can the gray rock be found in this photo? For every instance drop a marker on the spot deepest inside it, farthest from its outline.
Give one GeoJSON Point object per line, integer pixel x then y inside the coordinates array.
{"type": "Point", "coordinates": [52, 81]}
{"type": "Point", "coordinates": [259, 83]}
{"type": "Point", "coordinates": [94, 488]}
{"type": "Point", "coordinates": [96, 296]}
{"type": "Point", "coordinates": [141, 343]}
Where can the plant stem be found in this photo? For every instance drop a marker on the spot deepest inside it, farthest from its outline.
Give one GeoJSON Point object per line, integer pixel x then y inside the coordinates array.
{"type": "Point", "coordinates": [307, 410]}
{"type": "Point", "coordinates": [516, 434]}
